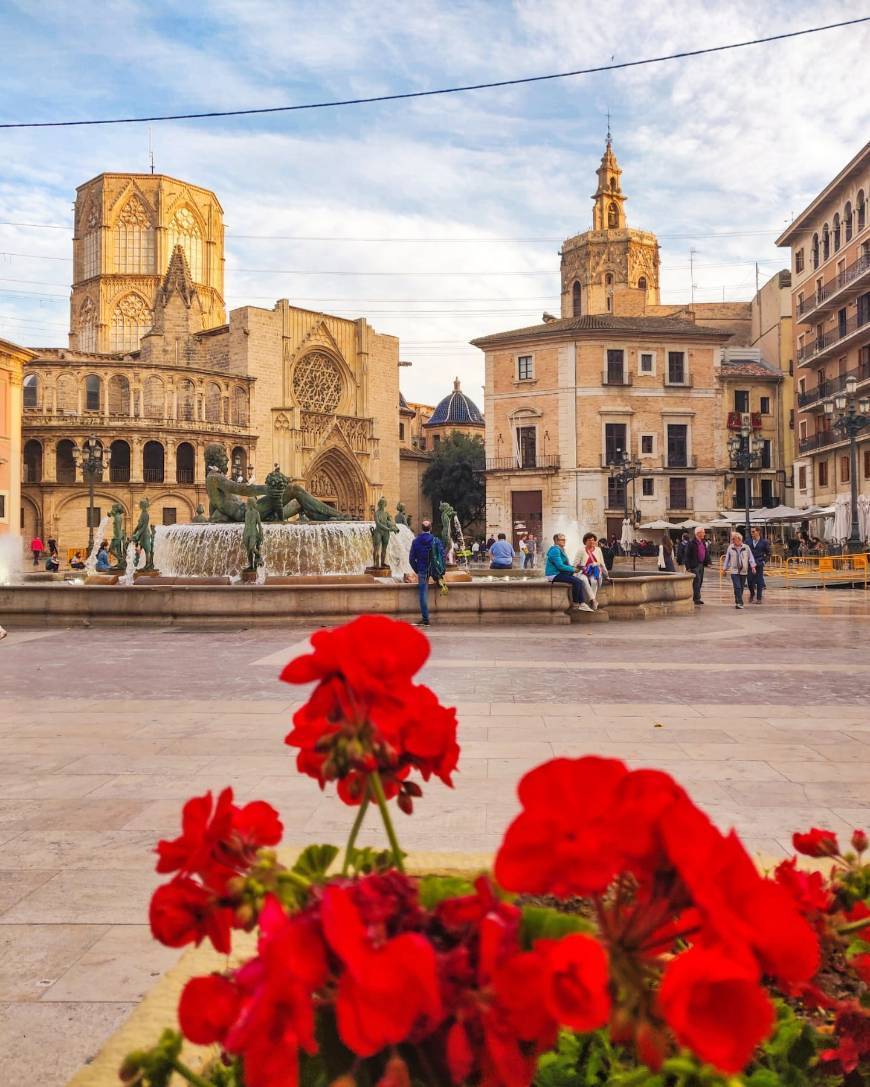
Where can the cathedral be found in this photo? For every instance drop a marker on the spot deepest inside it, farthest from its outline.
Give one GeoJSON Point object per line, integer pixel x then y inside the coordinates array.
{"type": "Point", "coordinates": [156, 370]}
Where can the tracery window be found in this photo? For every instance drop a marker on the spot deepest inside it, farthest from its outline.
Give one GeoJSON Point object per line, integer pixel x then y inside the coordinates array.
{"type": "Point", "coordinates": [184, 231]}
{"type": "Point", "coordinates": [134, 239]}
{"type": "Point", "coordinates": [317, 383]}
{"type": "Point", "coordinates": [131, 319]}
{"type": "Point", "coordinates": [91, 246]}
{"type": "Point", "coordinates": [88, 326]}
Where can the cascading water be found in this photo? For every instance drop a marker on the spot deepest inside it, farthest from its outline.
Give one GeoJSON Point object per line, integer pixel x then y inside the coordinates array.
{"type": "Point", "coordinates": [311, 548]}
{"type": "Point", "coordinates": [99, 536]}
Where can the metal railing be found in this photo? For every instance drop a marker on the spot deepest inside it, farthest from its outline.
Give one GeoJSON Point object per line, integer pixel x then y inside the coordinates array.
{"type": "Point", "coordinates": [832, 337]}
{"type": "Point", "coordinates": [525, 464]}
{"type": "Point", "coordinates": [184, 475]}
{"type": "Point", "coordinates": [825, 569]}
{"type": "Point", "coordinates": [119, 475]}
{"type": "Point", "coordinates": [854, 271]}
{"type": "Point", "coordinates": [820, 441]}
{"type": "Point", "coordinates": [757, 502]}
{"type": "Point", "coordinates": [66, 475]}
{"type": "Point", "coordinates": [94, 420]}
{"type": "Point", "coordinates": [833, 385]}
{"type": "Point", "coordinates": [152, 475]}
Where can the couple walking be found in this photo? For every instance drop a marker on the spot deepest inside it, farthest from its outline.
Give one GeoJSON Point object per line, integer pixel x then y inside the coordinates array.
{"type": "Point", "coordinates": [584, 577]}
{"type": "Point", "coordinates": [745, 563]}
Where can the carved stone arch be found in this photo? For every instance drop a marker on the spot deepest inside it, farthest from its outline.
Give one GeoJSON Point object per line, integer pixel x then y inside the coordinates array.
{"type": "Point", "coordinates": [335, 477]}
{"type": "Point", "coordinates": [32, 520]}
{"type": "Point", "coordinates": [521, 413]}
{"type": "Point", "coordinates": [175, 496]}
{"type": "Point", "coordinates": [320, 381]}
{"type": "Point", "coordinates": [100, 496]}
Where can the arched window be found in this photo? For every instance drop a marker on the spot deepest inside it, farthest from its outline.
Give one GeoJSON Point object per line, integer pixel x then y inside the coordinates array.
{"type": "Point", "coordinates": [131, 319]}
{"type": "Point", "coordinates": [91, 245]}
{"type": "Point", "coordinates": [861, 210]}
{"type": "Point", "coordinates": [119, 395]}
{"type": "Point", "coordinates": [93, 393]}
{"type": "Point", "coordinates": [185, 462]}
{"type": "Point", "coordinates": [152, 462]}
{"type": "Point", "coordinates": [153, 401]}
{"type": "Point", "coordinates": [134, 239]}
{"type": "Point", "coordinates": [185, 400]}
{"type": "Point", "coordinates": [88, 326]}
{"type": "Point", "coordinates": [642, 283]}
{"type": "Point", "coordinates": [212, 402]}
{"type": "Point", "coordinates": [64, 463]}
{"type": "Point", "coordinates": [815, 250]}
{"type": "Point", "coordinates": [575, 299]}
{"type": "Point", "coordinates": [847, 220]}
{"type": "Point", "coordinates": [67, 395]}
{"type": "Point", "coordinates": [836, 231]}
{"type": "Point", "coordinates": [826, 242]}
{"type": "Point", "coordinates": [239, 460]}
{"type": "Point", "coordinates": [612, 217]}
{"type": "Point", "coordinates": [608, 279]}
{"type": "Point", "coordinates": [32, 461]}
{"type": "Point", "coordinates": [613, 184]}
{"type": "Point", "coordinates": [240, 406]}
{"type": "Point", "coordinates": [184, 231]}
{"type": "Point", "coordinates": [119, 470]}
{"type": "Point", "coordinates": [31, 392]}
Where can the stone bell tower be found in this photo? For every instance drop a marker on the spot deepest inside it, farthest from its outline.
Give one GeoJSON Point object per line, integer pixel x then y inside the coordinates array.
{"type": "Point", "coordinates": [610, 268]}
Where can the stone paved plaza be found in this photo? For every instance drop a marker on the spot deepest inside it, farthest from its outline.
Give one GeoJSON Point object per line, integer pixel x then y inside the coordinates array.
{"type": "Point", "coordinates": [763, 714]}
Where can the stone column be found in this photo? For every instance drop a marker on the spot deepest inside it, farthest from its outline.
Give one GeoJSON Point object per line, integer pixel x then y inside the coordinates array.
{"type": "Point", "coordinates": [136, 460]}
{"type": "Point", "coordinates": [170, 463]}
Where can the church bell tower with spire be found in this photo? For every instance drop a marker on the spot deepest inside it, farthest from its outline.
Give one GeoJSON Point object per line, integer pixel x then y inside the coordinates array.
{"type": "Point", "coordinates": [610, 268]}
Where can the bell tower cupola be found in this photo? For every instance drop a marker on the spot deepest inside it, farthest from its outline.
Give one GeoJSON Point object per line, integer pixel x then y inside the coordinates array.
{"type": "Point", "coordinates": [609, 210]}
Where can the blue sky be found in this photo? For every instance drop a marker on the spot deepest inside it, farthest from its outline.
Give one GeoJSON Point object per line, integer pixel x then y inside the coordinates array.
{"type": "Point", "coordinates": [485, 185]}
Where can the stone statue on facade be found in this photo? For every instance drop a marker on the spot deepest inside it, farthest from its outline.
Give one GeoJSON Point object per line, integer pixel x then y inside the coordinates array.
{"type": "Point", "coordinates": [143, 537]}
{"type": "Point", "coordinates": [252, 536]}
{"type": "Point", "coordinates": [118, 546]}
{"type": "Point", "coordinates": [277, 500]}
{"type": "Point", "coordinates": [199, 518]}
{"type": "Point", "coordinates": [402, 518]}
{"type": "Point", "coordinates": [382, 529]}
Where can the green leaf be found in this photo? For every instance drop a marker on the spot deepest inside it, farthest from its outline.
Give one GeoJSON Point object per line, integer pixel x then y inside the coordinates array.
{"type": "Point", "coordinates": [314, 862]}
{"type": "Point", "coordinates": [364, 860]}
{"type": "Point", "coordinates": [435, 889]}
{"type": "Point", "coordinates": [544, 923]}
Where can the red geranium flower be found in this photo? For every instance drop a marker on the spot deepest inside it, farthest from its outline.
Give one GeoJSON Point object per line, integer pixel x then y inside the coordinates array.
{"type": "Point", "coordinates": [816, 843]}
{"type": "Point", "coordinates": [387, 987]}
{"type": "Point", "coordinates": [219, 840]}
{"type": "Point", "coordinates": [208, 1008]}
{"type": "Point", "coordinates": [183, 912]}
{"type": "Point", "coordinates": [712, 1001]}
{"type": "Point", "coordinates": [563, 842]}
{"type": "Point", "coordinates": [577, 994]}
{"type": "Point", "coordinates": [808, 889]}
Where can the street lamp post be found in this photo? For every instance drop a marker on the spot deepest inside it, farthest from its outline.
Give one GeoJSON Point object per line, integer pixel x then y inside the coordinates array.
{"type": "Point", "coordinates": [853, 416]}
{"type": "Point", "coordinates": [745, 455]}
{"type": "Point", "coordinates": [93, 459]}
{"type": "Point", "coordinates": [628, 471]}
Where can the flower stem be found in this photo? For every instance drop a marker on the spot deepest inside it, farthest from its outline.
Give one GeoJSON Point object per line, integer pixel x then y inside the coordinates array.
{"type": "Point", "coordinates": [853, 926]}
{"type": "Point", "coordinates": [190, 1075]}
{"type": "Point", "coordinates": [378, 789]}
{"type": "Point", "coordinates": [355, 829]}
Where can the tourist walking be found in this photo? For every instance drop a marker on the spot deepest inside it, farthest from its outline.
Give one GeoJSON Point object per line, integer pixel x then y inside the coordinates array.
{"type": "Point", "coordinates": [559, 569]}
{"type": "Point", "coordinates": [682, 548]}
{"type": "Point", "coordinates": [501, 554]}
{"type": "Point", "coordinates": [531, 552]}
{"type": "Point", "coordinates": [37, 547]}
{"type": "Point", "coordinates": [738, 562]}
{"type": "Point", "coordinates": [666, 562]}
{"type": "Point", "coordinates": [760, 547]}
{"type": "Point", "coordinates": [427, 560]}
{"type": "Point", "coordinates": [696, 561]}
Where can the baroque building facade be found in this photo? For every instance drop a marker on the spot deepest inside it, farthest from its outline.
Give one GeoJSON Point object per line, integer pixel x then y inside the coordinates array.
{"type": "Point", "coordinates": [830, 298]}
{"type": "Point", "coordinates": [126, 229]}
{"type": "Point", "coordinates": [12, 360]}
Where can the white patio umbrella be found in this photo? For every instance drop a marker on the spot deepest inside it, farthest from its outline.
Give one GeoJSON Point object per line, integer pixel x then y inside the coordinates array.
{"type": "Point", "coordinates": [828, 530]}
{"type": "Point", "coordinates": [864, 517]}
{"type": "Point", "coordinates": [842, 518]}
{"type": "Point", "coordinates": [627, 537]}
{"type": "Point", "coordinates": [660, 524]}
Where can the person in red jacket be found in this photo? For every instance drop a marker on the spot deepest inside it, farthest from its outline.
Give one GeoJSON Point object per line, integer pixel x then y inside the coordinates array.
{"type": "Point", "coordinates": [37, 547]}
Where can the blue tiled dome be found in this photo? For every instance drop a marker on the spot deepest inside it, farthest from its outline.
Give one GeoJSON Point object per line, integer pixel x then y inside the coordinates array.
{"type": "Point", "coordinates": [456, 409]}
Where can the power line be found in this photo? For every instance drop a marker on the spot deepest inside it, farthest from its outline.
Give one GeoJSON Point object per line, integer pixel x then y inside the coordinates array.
{"type": "Point", "coordinates": [440, 91]}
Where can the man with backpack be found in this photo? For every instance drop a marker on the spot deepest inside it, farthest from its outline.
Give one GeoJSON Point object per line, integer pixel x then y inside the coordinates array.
{"type": "Point", "coordinates": [427, 560]}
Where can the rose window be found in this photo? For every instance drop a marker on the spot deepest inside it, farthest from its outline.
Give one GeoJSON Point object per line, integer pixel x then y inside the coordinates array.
{"type": "Point", "coordinates": [317, 383]}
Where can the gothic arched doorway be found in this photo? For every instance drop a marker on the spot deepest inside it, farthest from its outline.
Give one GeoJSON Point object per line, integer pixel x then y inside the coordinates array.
{"type": "Point", "coordinates": [336, 479]}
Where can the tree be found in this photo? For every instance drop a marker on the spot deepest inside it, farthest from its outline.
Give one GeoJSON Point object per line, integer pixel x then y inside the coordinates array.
{"type": "Point", "coordinates": [456, 476]}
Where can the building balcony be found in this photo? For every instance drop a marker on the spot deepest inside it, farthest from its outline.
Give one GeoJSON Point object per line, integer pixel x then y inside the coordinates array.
{"type": "Point", "coordinates": [834, 340]}
{"type": "Point", "coordinates": [616, 377]}
{"type": "Point", "coordinates": [66, 475]}
{"type": "Point", "coordinates": [119, 475]}
{"type": "Point", "coordinates": [757, 502]}
{"type": "Point", "coordinates": [813, 399]}
{"type": "Point", "coordinates": [184, 475]}
{"type": "Point", "coordinates": [820, 441]}
{"type": "Point", "coordinates": [845, 285]}
{"type": "Point", "coordinates": [152, 475]}
{"type": "Point", "coordinates": [546, 462]}
{"type": "Point", "coordinates": [736, 420]}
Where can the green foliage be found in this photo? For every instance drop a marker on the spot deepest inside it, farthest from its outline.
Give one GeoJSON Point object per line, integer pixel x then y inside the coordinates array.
{"type": "Point", "coordinates": [314, 862]}
{"type": "Point", "coordinates": [456, 476]}
{"type": "Point", "coordinates": [579, 1060]}
{"type": "Point", "coordinates": [363, 860]}
{"type": "Point", "coordinates": [434, 889]}
{"type": "Point", "coordinates": [152, 1067]}
{"type": "Point", "coordinates": [787, 1058]}
{"type": "Point", "coordinates": [543, 923]}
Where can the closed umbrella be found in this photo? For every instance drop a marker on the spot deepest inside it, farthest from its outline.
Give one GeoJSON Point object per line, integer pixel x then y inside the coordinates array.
{"type": "Point", "coordinates": [627, 537]}
{"type": "Point", "coordinates": [864, 517]}
{"type": "Point", "coordinates": [842, 519]}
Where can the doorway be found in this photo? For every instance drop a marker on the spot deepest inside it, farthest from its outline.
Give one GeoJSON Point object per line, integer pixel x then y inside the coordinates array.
{"type": "Point", "coordinates": [526, 515]}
